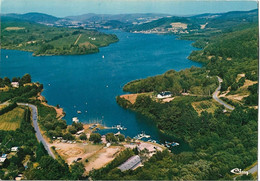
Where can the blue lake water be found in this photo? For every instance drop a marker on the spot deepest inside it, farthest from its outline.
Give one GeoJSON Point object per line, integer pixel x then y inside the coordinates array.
{"type": "Point", "coordinates": [90, 83]}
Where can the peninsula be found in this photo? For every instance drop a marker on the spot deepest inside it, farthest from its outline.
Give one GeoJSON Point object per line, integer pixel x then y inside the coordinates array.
{"type": "Point", "coordinates": [46, 40]}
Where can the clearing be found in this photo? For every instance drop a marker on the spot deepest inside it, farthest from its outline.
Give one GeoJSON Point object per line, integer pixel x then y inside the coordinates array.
{"type": "Point", "coordinates": [70, 152]}
{"type": "Point", "coordinates": [208, 105]}
{"type": "Point", "coordinates": [77, 39]}
{"type": "Point", "coordinates": [12, 119]}
{"type": "Point", "coordinates": [132, 97]}
{"type": "Point", "coordinates": [14, 28]}
{"type": "Point", "coordinates": [102, 158]}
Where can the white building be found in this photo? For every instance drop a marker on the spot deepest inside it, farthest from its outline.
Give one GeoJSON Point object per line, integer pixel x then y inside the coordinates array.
{"type": "Point", "coordinates": [165, 94]}
{"type": "Point", "coordinates": [2, 160]}
{"type": "Point", "coordinates": [15, 84]}
{"type": "Point", "coordinates": [15, 149]}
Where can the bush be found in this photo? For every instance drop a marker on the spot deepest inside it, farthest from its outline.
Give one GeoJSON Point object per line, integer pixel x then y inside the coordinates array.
{"type": "Point", "coordinates": [95, 137]}
{"type": "Point", "coordinates": [83, 136]}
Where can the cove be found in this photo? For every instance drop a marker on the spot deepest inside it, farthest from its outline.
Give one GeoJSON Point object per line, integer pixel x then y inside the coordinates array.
{"type": "Point", "coordinates": [90, 83]}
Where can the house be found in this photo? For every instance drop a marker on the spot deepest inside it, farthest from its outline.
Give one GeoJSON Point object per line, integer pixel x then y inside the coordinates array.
{"type": "Point", "coordinates": [4, 156]}
{"type": "Point", "coordinates": [15, 84]}
{"type": "Point", "coordinates": [15, 149]}
{"type": "Point", "coordinates": [19, 177]}
{"type": "Point", "coordinates": [165, 94]}
{"type": "Point", "coordinates": [132, 163]}
{"type": "Point", "coordinates": [2, 160]}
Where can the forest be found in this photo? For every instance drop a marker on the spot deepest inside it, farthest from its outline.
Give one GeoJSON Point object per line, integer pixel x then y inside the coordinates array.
{"type": "Point", "coordinates": [221, 140]}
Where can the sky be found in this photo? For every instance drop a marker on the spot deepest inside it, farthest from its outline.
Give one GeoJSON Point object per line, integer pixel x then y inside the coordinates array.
{"type": "Point", "coordinates": [62, 8]}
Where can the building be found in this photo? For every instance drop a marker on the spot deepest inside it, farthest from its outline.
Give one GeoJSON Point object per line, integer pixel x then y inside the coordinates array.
{"type": "Point", "coordinates": [15, 149]}
{"type": "Point", "coordinates": [2, 160]}
{"type": "Point", "coordinates": [15, 84]}
{"type": "Point", "coordinates": [132, 163]}
{"type": "Point", "coordinates": [4, 156]}
{"type": "Point", "coordinates": [165, 94]}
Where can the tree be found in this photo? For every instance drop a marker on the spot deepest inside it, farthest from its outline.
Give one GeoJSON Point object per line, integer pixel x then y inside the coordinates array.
{"type": "Point", "coordinates": [26, 79]}
{"type": "Point", "coordinates": [77, 170]}
{"type": "Point", "coordinates": [128, 139]}
{"type": "Point", "coordinates": [77, 126]}
{"type": "Point", "coordinates": [72, 130]}
{"type": "Point", "coordinates": [15, 79]}
{"type": "Point", "coordinates": [121, 137]}
{"type": "Point", "coordinates": [40, 152]}
{"type": "Point", "coordinates": [6, 81]}
{"type": "Point", "coordinates": [68, 136]}
{"type": "Point", "coordinates": [95, 137]}
{"type": "Point", "coordinates": [83, 136]}
{"type": "Point", "coordinates": [110, 137]}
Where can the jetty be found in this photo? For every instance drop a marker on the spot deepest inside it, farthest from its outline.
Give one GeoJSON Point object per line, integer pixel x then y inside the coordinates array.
{"type": "Point", "coordinates": [142, 135]}
{"type": "Point", "coordinates": [118, 127]}
{"type": "Point", "coordinates": [171, 144]}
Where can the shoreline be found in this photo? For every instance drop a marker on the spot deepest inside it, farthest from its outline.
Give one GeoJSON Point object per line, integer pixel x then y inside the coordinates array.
{"type": "Point", "coordinates": [60, 112]}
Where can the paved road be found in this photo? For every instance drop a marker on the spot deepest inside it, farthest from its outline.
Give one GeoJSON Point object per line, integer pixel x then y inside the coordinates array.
{"type": "Point", "coordinates": [253, 169]}
{"type": "Point", "coordinates": [37, 129]}
{"type": "Point", "coordinates": [215, 95]}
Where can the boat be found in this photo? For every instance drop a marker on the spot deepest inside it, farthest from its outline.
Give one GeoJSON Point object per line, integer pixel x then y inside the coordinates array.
{"type": "Point", "coordinates": [174, 144]}
{"type": "Point", "coordinates": [75, 119]}
{"type": "Point", "coordinates": [6, 56]}
{"type": "Point", "coordinates": [103, 56]}
{"type": "Point", "coordinates": [79, 112]}
{"type": "Point", "coordinates": [119, 127]}
{"type": "Point", "coordinates": [171, 144]}
{"type": "Point", "coordinates": [142, 135]}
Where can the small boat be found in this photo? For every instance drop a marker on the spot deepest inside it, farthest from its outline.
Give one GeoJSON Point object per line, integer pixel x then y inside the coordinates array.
{"type": "Point", "coordinates": [6, 56]}
{"type": "Point", "coordinates": [79, 112]}
{"type": "Point", "coordinates": [103, 56]}
{"type": "Point", "coordinates": [174, 144]}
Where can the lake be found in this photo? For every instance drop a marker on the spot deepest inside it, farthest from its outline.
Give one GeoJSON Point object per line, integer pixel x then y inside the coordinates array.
{"type": "Point", "coordinates": [90, 83]}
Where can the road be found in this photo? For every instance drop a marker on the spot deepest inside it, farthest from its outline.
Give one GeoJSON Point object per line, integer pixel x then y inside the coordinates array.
{"type": "Point", "coordinates": [215, 96]}
{"type": "Point", "coordinates": [36, 127]}
{"type": "Point", "coordinates": [253, 169]}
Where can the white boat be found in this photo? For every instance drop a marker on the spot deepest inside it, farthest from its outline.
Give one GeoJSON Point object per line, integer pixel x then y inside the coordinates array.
{"type": "Point", "coordinates": [75, 119]}
{"type": "Point", "coordinates": [103, 56]}
{"type": "Point", "coordinates": [79, 112]}
{"type": "Point", "coordinates": [6, 56]}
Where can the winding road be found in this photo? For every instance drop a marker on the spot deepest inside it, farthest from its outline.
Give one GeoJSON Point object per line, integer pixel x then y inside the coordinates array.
{"type": "Point", "coordinates": [215, 96]}
{"type": "Point", "coordinates": [36, 127]}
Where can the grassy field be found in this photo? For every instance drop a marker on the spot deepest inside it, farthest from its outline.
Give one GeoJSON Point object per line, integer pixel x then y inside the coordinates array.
{"type": "Point", "coordinates": [207, 105]}
{"type": "Point", "coordinates": [12, 119]}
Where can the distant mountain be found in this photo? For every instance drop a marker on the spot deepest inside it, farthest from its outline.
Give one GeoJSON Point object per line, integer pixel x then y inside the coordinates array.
{"type": "Point", "coordinates": [119, 17]}
{"type": "Point", "coordinates": [218, 21]}
{"type": "Point", "coordinates": [33, 17]}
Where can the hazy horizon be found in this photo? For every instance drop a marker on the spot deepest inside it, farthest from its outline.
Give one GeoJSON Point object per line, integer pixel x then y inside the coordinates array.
{"type": "Point", "coordinates": [63, 8]}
